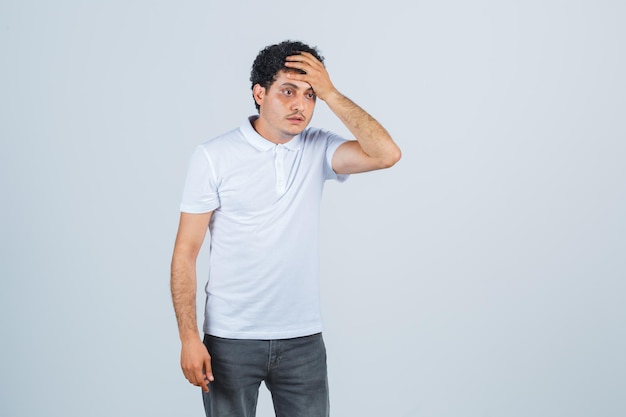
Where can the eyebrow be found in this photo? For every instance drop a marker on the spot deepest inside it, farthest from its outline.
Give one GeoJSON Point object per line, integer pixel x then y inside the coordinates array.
{"type": "Point", "coordinates": [294, 86]}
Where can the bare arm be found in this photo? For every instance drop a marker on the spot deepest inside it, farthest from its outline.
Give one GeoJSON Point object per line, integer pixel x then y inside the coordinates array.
{"type": "Point", "coordinates": [374, 148]}
{"type": "Point", "coordinates": [195, 359]}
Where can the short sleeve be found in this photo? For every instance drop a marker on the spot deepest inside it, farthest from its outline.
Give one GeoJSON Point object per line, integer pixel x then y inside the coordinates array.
{"type": "Point", "coordinates": [200, 194]}
{"type": "Point", "coordinates": [332, 143]}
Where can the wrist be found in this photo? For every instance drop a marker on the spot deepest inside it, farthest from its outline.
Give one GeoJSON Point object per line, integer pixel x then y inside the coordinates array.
{"type": "Point", "coordinates": [332, 97]}
{"type": "Point", "coordinates": [189, 336]}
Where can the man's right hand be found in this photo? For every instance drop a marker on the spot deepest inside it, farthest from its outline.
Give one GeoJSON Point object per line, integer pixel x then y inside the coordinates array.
{"type": "Point", "coordinates": [196, 363]}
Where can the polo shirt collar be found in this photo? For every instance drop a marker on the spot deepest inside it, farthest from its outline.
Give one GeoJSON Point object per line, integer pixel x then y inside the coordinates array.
{"type": "Point", "coordinates": [262, 144]}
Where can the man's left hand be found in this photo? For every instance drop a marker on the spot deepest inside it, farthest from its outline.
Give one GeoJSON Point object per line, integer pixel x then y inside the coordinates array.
{"type": "Point", "coordinates": [315, 74]}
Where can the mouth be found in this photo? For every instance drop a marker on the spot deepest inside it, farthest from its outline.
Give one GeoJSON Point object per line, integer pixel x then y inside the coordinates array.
{"type": "Point", "coordinates": [296, 118]}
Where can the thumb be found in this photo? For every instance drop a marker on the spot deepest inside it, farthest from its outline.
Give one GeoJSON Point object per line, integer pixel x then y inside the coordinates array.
{"type": "Point", "coordinates": [208, 371]}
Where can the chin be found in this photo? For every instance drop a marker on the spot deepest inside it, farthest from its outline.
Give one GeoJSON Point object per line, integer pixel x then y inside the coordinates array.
{"type": "Point", "coordinates": [295, 130]}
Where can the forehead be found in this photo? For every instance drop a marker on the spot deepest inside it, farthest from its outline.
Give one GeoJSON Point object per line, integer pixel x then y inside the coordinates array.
{"type": "Point", "coordinates": [283, 80]}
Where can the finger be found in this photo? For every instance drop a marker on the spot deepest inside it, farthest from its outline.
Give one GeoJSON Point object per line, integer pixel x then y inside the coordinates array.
{"type": "Point", "coordinates": [198, 379]}
{"type": "Point", "coordinates": [300, 76]}
{"type": "Point", "coordinates": [193, 373]}
{"type": "Point", "coordinates": [208, 370]}
{"type": "Point", "coordinates": [308, 59]}
{"type": "Point", "coordinates": [298, 56]}
{"type": "Point", "coordinates": [301, 70]}
{"type": "Point", "coordinates": [204, 385]}
{"type": "Point", "coordinates": [294, 58]}
{"type": "Point", "coordinates": [299, 65]}
{"type": "Point", "coordinates": [207, 376]}
{"type": "Point", "coordinates": [189, 374]}
{"type": "Point", "coordinates": [301, 59]}
{"type": "Point", "coordinates": [302, 56]}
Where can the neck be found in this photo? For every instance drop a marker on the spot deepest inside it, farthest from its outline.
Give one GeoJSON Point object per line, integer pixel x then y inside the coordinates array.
{"type": "Point", "coordinates": [271, 135]}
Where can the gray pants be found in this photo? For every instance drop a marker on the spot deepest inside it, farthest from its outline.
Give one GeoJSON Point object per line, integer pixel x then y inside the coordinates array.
{"type": "Point", "coordinates": [294, 371]}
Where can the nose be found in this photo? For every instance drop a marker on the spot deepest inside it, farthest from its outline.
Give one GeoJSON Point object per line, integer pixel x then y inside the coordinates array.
{"type": "Point", "coordinates": [297, 104]}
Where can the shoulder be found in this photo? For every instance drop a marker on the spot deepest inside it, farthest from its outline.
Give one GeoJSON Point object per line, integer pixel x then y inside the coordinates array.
{"type": "Point", "coordinates": [223, 140]}
{"type": "Point", "coordinates": [315, 133]}
{"type": "Point", "coordinates": [320, 136]}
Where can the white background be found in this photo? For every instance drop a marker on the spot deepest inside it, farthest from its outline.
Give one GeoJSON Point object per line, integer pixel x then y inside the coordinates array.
{"type": "Point", "coordinates": [484, 275]}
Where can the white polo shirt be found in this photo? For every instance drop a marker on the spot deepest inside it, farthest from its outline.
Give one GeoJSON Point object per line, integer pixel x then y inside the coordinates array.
{"type": "Point", "coordinates": [264, 269]}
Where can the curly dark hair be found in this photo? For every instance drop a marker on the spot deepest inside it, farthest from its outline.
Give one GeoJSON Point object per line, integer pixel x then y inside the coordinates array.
{"type": "Point", "coordinates": [271, 60]}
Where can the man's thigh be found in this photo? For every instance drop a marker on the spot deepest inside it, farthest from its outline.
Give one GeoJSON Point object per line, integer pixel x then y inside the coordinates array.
{"type": "Point", "coordinates": [298, 377]}
{"type": "Point", "coordinates": [239, 366]}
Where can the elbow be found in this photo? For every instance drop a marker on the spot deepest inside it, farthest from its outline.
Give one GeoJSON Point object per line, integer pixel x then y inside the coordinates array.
{"type": "Point", "coordinates": [391, 158]}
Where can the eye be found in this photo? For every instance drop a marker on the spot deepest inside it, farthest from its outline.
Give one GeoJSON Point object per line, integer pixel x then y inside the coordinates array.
{"type": "Point", "coordinates": [288, 92]}
{"type": "Point", "coordinates": [310, 96]}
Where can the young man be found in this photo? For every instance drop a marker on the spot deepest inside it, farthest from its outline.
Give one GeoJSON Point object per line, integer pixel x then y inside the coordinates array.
{"type": "Point", "coordinates": [258, 190]}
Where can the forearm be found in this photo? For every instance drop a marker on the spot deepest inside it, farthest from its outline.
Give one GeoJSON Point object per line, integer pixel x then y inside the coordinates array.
{"type": "Point", "coordinates": [191, 232]}
{"type": "Point", "coordinates": [183, 288]}
{"type": "Point", "coordinates": [373, 138]}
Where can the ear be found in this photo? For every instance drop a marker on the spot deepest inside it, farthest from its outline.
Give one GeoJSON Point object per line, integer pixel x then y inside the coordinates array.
{"type": "Point", "coordinates": [258, 93]}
